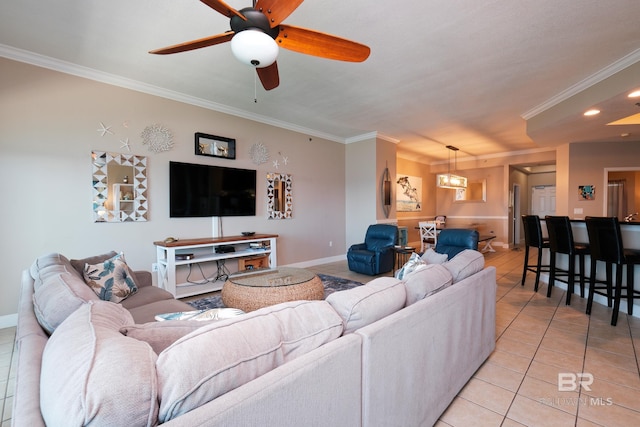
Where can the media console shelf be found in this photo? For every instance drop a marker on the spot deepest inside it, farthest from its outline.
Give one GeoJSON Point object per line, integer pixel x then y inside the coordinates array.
{"type": "Point", "coordinates": [170, 256]}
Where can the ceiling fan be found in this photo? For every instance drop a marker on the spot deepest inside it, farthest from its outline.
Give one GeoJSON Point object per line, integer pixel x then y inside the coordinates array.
{"type": "Point", "coordinates": [256, 32]}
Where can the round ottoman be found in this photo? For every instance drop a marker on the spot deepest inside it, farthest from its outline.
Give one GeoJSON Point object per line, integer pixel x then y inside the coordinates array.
{"type": "Point", "coordinates": [253, 291]}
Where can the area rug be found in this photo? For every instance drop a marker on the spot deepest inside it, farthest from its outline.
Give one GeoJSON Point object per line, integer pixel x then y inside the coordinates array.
{"type": "Point", "coordinates": [331, 284]}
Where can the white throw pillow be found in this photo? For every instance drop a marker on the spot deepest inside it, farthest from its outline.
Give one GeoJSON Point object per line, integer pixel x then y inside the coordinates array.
{"type": "Point", "coordinates": [426, 281]}
{"type": "Point", "coordinates": [432, 257]}
{"type": "Point", "coordinates": [366, 304]}
{"type": "Point", "coordinates": [465, 264]}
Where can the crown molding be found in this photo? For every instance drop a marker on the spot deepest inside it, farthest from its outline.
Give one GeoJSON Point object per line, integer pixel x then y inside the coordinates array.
{"type": "Point", "coordinates": [115, 80]}
{"type": "Point", "coordinates": [601, 75]}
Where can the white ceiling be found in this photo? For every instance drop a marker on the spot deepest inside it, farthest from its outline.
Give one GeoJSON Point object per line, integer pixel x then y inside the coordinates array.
{"type": "Point", "coordinates": [466, 73]}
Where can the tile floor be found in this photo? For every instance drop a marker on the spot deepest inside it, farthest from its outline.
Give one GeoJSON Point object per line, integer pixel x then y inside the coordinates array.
{"type": "Point", "coordinates": [537, 340]}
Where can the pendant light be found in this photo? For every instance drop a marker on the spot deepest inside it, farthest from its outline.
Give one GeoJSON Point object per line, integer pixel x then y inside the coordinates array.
{"type": "Point", "coordinates": [449, 180]}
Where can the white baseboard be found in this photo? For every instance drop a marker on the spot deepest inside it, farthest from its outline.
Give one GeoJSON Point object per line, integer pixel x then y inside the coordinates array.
{"type": "Point", "coordinates": [8, 321]}
{"type": "Point", "coordinates": [319, 261]}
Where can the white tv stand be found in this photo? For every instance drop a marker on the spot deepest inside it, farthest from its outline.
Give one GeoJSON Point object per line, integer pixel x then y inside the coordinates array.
{"type": "Point", "coordinates": [204, 250]}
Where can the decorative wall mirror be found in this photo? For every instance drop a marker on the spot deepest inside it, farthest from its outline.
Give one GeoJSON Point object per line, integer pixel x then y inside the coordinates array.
{"type": "Point", "coordinates": [119, 187]}
{"type": "Point", "coordinates": [475, 192]}
{"type": "Point", "coordinates": [279, 197]}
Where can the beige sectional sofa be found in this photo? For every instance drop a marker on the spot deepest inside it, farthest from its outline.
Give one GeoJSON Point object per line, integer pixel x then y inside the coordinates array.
{"type": "Point", "coordinates": [390, 353]}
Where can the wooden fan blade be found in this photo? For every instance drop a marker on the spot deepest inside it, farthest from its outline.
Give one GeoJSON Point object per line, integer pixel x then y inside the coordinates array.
{"type": "Point", "coordinates": [195, 44]}
{"type": "Point", "coordinates": [223, 8]}
{"type": "Point", "coordinates": [315, 43]}
{"type": "Point", "coordinates": [277, 10]}
{"type": "Point", "coordinates": [269, 76]}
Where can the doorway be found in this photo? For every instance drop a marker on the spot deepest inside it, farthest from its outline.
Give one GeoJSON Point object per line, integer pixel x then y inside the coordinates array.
{"type": "Point", "coordinates": [543, 200]}
{"type": "Point", "coordinates": [517, 212]}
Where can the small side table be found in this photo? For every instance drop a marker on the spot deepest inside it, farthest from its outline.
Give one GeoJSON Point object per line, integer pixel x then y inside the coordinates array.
{"type": "Point", "coordinates": [402, 255]}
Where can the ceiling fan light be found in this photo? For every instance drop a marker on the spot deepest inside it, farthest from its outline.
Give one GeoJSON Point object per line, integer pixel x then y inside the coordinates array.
{"type": "Point", "coordinates": [255, 48]}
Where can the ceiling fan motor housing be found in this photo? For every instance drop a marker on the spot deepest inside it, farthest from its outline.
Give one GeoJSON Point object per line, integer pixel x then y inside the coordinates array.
{"type": "Point", "coordinates": [256, 20]}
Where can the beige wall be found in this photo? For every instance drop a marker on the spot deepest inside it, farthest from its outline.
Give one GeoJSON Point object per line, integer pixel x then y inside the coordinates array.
{"type": "Point", "coordinates": [361, 181]}
{"type": "Point", "coordinates": [410, 219]}
{"type": "Point", "coordinates": [586, 165]}
{"type": "Point", "coordinates": [47, 131]}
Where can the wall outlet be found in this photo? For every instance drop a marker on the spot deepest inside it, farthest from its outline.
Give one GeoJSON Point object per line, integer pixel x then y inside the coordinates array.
{"type": "Point", "coordinates": [330, 243]}
{"type": "Point", "coordinates": [154, 266]}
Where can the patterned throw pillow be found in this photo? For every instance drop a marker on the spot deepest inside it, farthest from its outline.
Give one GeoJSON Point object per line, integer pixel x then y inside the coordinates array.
{"type": "Point", "coordinates": [414, 263]}
{"type": "Point", "coordinates": [112, 280]}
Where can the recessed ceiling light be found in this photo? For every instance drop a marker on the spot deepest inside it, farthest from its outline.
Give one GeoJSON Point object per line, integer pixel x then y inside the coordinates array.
{"type": "Point", "coordinates": [634, 94]}
{"type": "Point", "coordinates": [591, 112]}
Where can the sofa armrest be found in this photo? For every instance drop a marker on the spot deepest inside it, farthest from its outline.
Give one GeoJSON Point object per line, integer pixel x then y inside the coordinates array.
{"type": "Point", "coordinates": [143, 278]}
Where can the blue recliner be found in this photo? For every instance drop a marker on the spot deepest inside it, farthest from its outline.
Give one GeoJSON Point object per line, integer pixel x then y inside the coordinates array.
{"type": "Point", "coordinates": [451, 241]}
{"type": "Point", "coordinates": [375, 255]}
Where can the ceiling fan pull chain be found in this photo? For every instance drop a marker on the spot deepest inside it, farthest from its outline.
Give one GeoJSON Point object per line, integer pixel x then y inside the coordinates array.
{"type": "Point", "coordinates": [255, 88]}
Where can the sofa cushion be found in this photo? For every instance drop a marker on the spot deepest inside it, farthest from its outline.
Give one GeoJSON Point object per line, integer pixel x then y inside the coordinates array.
{"type": "Point", "coordinates": [221, 356]}
{"type": "Point", "coordinates": [465, 264]}
{"type": "Point", "coordinates": [432, 257]}
{"type": "Point", "coordinates": [112, 279]}
{"type": "Point", "coordinates": [58, 296]}
{"type": "Point", "coordinates": [426, 281]}
{"type": "Point", "coordinates": [147, 312]}
{"type": "Point", "coordinates": [78, 264]}
{"type": "Point", "coordinates": [48, 265]}
{"type": "Point", "coordinates": [363, 305]}
{"type": "Point", "coordinates": [146, 295]}
{"type": "Point", "coordinates": [161, 335]}
{"type": "Point", "coordinates": [93, 375]}
{"type": "Point", "coordinates": [414, 262]}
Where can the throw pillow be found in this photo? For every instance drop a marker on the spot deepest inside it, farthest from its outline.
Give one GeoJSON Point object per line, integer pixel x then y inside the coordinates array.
{"type": "Point", "coordinates": [112, 280]}
{"type": "Point", "coordinates": [426, 281]}
{"type": "Point", "coordinates": [413, 263]}
{"type": "Point", "coordinates": [432, 257]}
{"type": "Point", "coordinates": [224, 355]}
{"type": "Point", "coordinates": [465, 264]}
{"type": "Point", "coordinates": [366, 304]}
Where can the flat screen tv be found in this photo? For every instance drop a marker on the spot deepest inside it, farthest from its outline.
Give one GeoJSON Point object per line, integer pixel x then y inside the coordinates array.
{"type": "Point", "coordinates": [206, 190]}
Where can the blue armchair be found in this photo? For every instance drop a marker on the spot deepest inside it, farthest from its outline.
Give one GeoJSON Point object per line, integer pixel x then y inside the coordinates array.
{"type": "Point", "coordinates": [374, 256]}
{"type": "Point", "coordinates": [451, 241]}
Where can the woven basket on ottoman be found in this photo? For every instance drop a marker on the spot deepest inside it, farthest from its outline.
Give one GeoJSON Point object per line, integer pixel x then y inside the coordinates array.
{"type": "Point", "coordinates": [254, 291]}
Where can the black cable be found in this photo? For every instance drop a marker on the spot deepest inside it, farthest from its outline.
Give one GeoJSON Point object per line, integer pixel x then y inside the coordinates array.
{"type": "Point", "coordinates": [222, 274]}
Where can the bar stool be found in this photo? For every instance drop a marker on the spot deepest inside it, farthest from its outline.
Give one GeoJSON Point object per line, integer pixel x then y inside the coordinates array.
{"type": "Point", "coordinates": [533, 239]}
{"type": "Point", "coordinates": [605, 241]}
{"type": "Point", "coordinates": [561, 242]}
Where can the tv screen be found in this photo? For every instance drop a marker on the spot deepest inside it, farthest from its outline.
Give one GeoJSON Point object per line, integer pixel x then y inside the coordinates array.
{"type": "Point", "coordinates": [205, 190]}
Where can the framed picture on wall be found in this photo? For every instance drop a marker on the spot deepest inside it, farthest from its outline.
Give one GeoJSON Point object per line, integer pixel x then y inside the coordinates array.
{"type": "Point", "coordinates": [586, 192]}
{"type": "Point", "coordinates": [409, 193]}
{"type": "Point", "coordinates": [215, 146]}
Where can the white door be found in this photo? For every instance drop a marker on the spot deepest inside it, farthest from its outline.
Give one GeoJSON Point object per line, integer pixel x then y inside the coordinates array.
{"type": "Point", "coordinates": [543, 200]}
